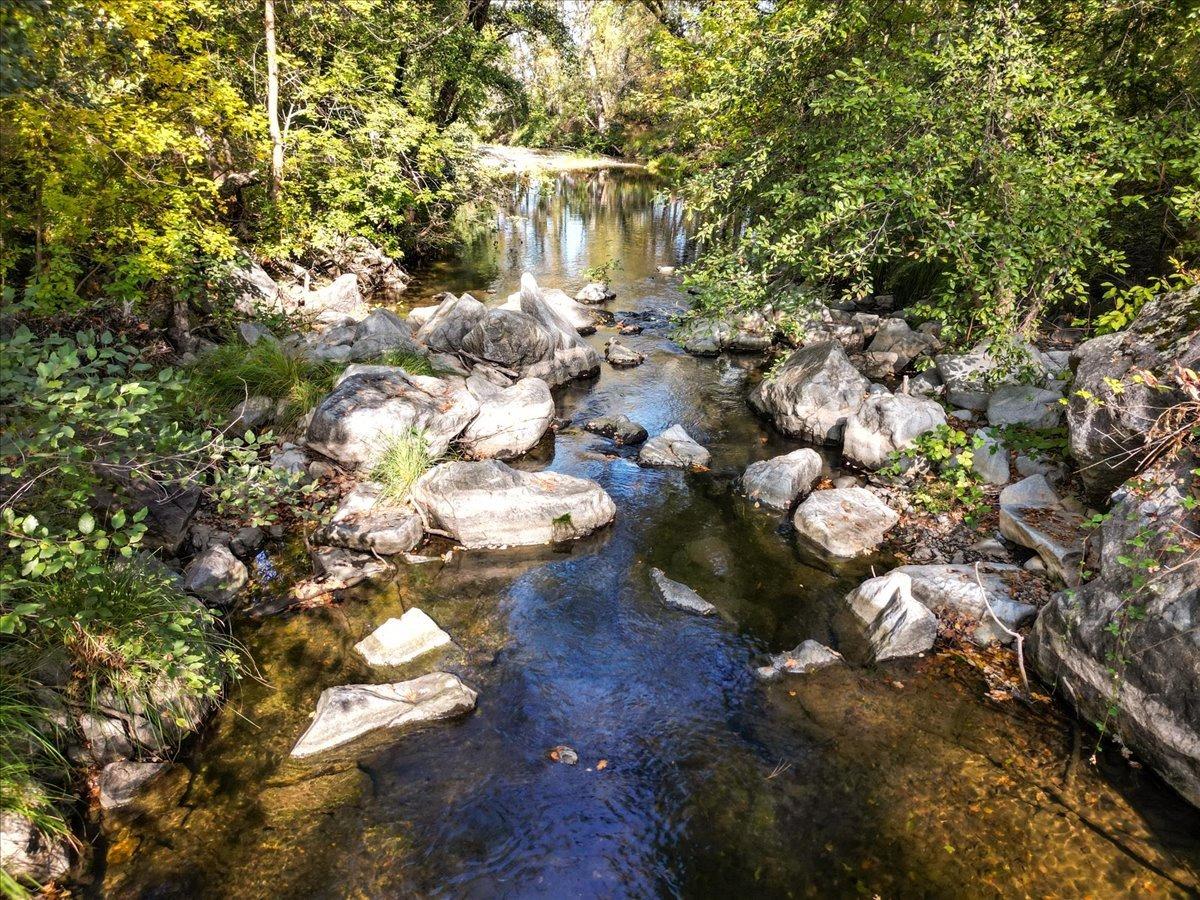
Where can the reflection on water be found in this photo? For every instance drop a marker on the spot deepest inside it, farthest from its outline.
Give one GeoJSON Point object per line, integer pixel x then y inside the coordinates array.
{"type": "Point", "coordinates": [901, 780]}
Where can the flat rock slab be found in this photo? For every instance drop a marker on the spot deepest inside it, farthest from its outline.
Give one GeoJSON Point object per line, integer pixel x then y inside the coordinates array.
{"type": "Point", "coordinates": [489, 504]}
{"type": "Point", "coordinates": [809, 656]}
{"type": "Point", "coordinates": [120, 782]}
{"type": "Point", "coordinates": [621, 429]}
{"type": "Point", "coordinates": [844, 522]}
{"type": "Point", "coordinates": [953, 589]}
{"type": "Point", "coordinates": [350, 711]}
{"type": "Point", "coordinates": [398, 641]}
{"type": "Point", "coordinates": [680, 596]}
{"type": "Point", "coordinates": [779, 481]}
{"type": "Point", "coordinates": [673, 448]}
{"type": "Point", "coordinates": [893, 622]}
{"type": "Point", "coordinates": [1032, 515]}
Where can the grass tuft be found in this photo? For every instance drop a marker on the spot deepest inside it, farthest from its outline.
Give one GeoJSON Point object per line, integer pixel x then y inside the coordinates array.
{"type": "Point", "coordinates": [412, 363]}
{"type": "Point", "coordinates": [405, 458]}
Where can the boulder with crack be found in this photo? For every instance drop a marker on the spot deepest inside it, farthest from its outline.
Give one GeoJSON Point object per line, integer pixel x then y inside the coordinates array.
{"type": "Point", "coordinates": [383, 332]}
{"type": "Point", "coordinates": [488, 504]}
{"type": "Point", "coordinates": [887, 423]}
{"type": "Point", "coordinates": [844, 522]}
{"type": "Point", "coordinates": [894, 346]}
{"type": "Point", "coordinates": [971, 377]}
{"type": "Point", "coordinates": [450, 322]}
{"type": "Point", "coordinates": [892, 622]}
{"type": "Point", "coordinates": [215, 576]}
{"type": "Point", "coordinates": [511, 420]}
{"type": "Point", "coordinates": [813, 394]}
{"type": "Point", "coordinates": [780, 481]}
{"type": "Point", "coordinates": [673, 448]}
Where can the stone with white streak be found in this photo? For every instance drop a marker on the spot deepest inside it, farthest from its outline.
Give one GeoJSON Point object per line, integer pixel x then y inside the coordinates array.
{"type": "Point", "coordinates": [680, 596]}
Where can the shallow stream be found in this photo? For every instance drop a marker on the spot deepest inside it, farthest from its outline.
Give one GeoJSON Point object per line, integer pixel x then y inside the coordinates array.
{"type": "Point", "coordinates": [901, 780]}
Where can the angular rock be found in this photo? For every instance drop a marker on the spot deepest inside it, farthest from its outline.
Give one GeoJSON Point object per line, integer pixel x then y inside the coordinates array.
{"type": "Point", "coordinates": [673, 447]}
{"type": "Point", "coordinates": [367, 522]}
{"type": "Point", "coordinates": [252, 333]}
{"type": "Point", "coordinates": [1017, 404]}
{"type": "Point", "coordinates": [510, 338]}
{"type": "Point", "coordinates": [511, 420]}
{"type": "Point", "coordinates": [971, 377]}
{"type": "Point", "coordinates": [488, 504]}
{"type": "Point", "coordinates": [1079, 634]}
{"type": "Point", "coordinates": [596, 292]}
{"type": "Point", "coordinates": [246, 541]}
{"type": "Point", "coordinates": [419, 315]}
{"type": "Point", "coordinates": [809, 656]}
{"type": "Point", "coordinates": [991, 458]}
{"type": "Point", "coordinates": [572, 358]}
{"type": "Point", "coordinates": [892, 621]}
{"type": "Point", "coordinates": [350, 711]}
{"type": "Point", "coordinates": [703, 337]}
{"type": "Point", "coordinates": [290, 458]}
{"type": "Point", "coordinates": [1032, 515]}
{"type": "Point", "coordinates": [844, 522]}
{"type": "Point", "coordinates": [895, 346]}
{"type": "Point", "coordinates": [399, 641]}
{"type": "Point", "coordinates": [954, 590]}
{"type": "Point", "coordinates": [680, 596]}
{"type": "Point", "coordinates": [383, 332]}
{"type": "Point", "coordinates": [30, 854]}
{"type": "Point", "coordinates": [346, 568]}
{"type": "Point", "coordinates": [621, 429]}
{"type": "Point", "coordinates": [886, 423]}
{"type": "Point", "coordinates": [584, 319]}
{"type": "Point", "coordinates": [1107, 430]}
{"type": "Point", "coordinates": [450, 323]}
{"type": "Point", "coordinates": [251, 414]}
{"type": "Point", "coordinates": [336, 301]}
{"type": "Point", "coordinates": [120, 782]}
{"type": "Point", "coordinates": [813, 395]}
{"type": "Point", "coordinates": [367, 409]}
{"type": "Point", "coordinates": [621, 356]}
{"type": "Point", "coordinates": [215, 576]}
{"type": "Point", "coordinates": [779, 481]}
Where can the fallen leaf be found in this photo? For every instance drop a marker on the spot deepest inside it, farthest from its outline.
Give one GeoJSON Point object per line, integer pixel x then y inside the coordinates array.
{"type": "Point", "coordinates": [602, 765]}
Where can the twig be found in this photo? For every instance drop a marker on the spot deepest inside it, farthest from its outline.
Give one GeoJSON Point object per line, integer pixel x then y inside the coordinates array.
{"type": "Point", "coordinates": [1020, 641]}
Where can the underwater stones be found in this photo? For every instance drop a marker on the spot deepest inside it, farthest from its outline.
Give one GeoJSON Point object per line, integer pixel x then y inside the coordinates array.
{"type": "Point", "coordinates": [398, 641]}
{"type": "Point", "coordinates": [813, 394]}
{"type": "Point", "coordinates": [680, 596]}
{"type": "Point", "coordinates": [886, 423]}
{"type": "Point", "coordinates": [779, 481]}
{"type": "Point", "coordinates": [488, 504]}
{"type": "Point", "coordinates": [120, 782]}
{"type": "Point", "coordinates": [350, 711]}
{"type": "Point", "coordinates": [354, 423]}
{"type": "Point", "coordinates": [1018, 404]}
{"type": "Point", "coordinates": [809, 656]}
{"type": "Point", "coordinates": [892, 621]}
{"type": "Point", "coordinates": [511, 420]}
{"type": "Point", "coordinates": [1032, 515]}
{"type": "Point", "coordinates": [620, 356]}
{"type": "Point", "coordinates": [368, 522]}
{"type": "Point", "coordinates": [673, 448]}
{"type": "Point", "coordinates": [215, 576]}
{"type": "Point", "coordinates": [621, 429]}
{"type": "Point", "coordinates": [844, 522]}
{"type": "Point", "coordinates": [596, 292]}
{"type": "Point", "coordinates": [953, 589]}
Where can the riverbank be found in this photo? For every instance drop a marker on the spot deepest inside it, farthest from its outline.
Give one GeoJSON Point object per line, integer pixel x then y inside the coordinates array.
{"type": "Point", "coordinates": [533, 160]}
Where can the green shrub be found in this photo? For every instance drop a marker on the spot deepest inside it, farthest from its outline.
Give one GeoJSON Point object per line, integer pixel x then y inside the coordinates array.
{"type": "Point", "coordinates": [404, 459]}
{"type": "Point", "coordinates": [941, 461]}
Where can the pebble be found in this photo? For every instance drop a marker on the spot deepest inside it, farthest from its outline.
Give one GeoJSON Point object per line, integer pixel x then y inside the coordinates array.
{"type": "Point", "coordinates": [564, 754]}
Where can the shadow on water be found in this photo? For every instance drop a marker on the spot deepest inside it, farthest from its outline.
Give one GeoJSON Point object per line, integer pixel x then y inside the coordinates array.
{"type": "Point", "coordinates": [693, 779]}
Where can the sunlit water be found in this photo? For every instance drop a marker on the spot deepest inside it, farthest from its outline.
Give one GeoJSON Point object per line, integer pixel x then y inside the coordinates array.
{"type": "Point", "coordinates": [902, 780]}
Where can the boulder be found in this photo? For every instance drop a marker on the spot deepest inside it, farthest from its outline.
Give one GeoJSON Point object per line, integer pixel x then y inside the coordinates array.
{"type": "Point", "coordinates": [350, 711]}
{"type": "Point", "coordinates": [30, 854]}
{"type": "Point", "coordinates": [813, 394]}
{"type": "Point", "coordinates": [621, 356]}
{"type": "Point", "coordinates": [572, 358]}
{"type": "Point", "coordinates": [120, 782]}
{"type": "Point", "coordinates": [336, 301]}
{"type": "Point", "coordinates": [400, 641]}
{"type": "Point", "coordinates": [511, 420]}
{"type": "Point", "coordinates": [1107, 430]}
{"type": "Point", "coordinates": [990, 460]}
{"type": "Point", "coordinates": [887, 423]}
{"type": "Point", "coordinates": [809, 656]}
{"type": "Point", "coordinates": [895, 346]}
{"type": "Point", "coordinates": [891, 620]}
{"type": "Point", "coordinates": [510, 338]}
{"type": "Point", "coordinates": [1032, 515]}
{"type": "Point", "coordinates": [450, 323]}
{"type": "Point", "coordinates": [369, 407]}
{"type": "Point", "coordinates": [215, 576]}
{"type": "Point", "coordinates": [844, 522]}
{"type": "Point", "coordinates": [367, 522]}
{"type": "Point", "coordinates": [257, 292]}
{"type": "Point", "coordinates": [1156, 695]}
{"type": "Point", "coordinates": [419, 315]}
{"type": "Point", "coordinates": [750, 333]}
{"type": "Point", "coordinates": [1018, 404]}
{"type": "Point", "coordinates": [953, 590]}
{"type": "Point", "coordinates": [290, 458]}
{"type": "Point", "coordinates": [596, 292]}
{"type": "Point", "coordinates": [680, 596]}
{"type": "Point", "coordinates": [251, 414]}
{"type": "Point", "coordinates": [673, 447]}
{"type": "Point", "coordinates": [779, 481]}
{"type": "Point", "coordinates": [582, 318]}
{"type": "Point", "coordinates": [621, 429]}
{"type": "Point", "coordinates": [346, 568]}
{"type": "Point", "coordinates": [383, 332]}
{"type": "Point", "coordinates": [378, 274]}
{"type": "Point", "coordinates": [971, 377]}
{"type": "Point", "coordinates": [488, 504]}
{"type": "Point", "coordinates": [703, 337]}
{"type": "Point", "coordinates": [252, 333]}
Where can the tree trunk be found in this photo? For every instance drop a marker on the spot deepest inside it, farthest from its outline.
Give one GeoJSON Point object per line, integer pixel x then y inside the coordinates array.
{"type": "Point", "coordinates": [273, 100]}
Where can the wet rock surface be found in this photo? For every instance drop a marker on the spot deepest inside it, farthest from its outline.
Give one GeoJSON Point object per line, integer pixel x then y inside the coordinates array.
{"type": "Point", "coordinates": [673, 448]}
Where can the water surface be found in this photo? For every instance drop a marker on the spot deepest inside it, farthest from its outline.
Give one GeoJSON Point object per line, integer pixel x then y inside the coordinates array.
{"type": "Point", "coordinates": [694, 779]}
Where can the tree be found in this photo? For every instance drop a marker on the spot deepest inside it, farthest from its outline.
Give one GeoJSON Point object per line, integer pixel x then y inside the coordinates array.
{"type": "Point", "coordinates": [273, 99]}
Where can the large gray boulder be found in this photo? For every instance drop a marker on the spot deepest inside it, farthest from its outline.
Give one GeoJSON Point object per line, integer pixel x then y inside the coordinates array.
{"type": "Point", "coordinates": [894, 346]}
{"type": "Point", "coordinates": [1019, 404]}
{"type": "Point", "coordinates": [488, 504]}
{"type": "Point", "coordinates": [621, 429]}
{"type": "Point", "coordinates": [338, 300]}
{"type": "Point", "coordinates": [970, 378]}
{"type": "Point", "coordinates": [215, 576]}
{"type": "Point", "coordinates": [887, 423]}
{"type": "Point", "coordinates": [844, 522]}
{"type": "Point", "coordinates": [892, 622]}
{"type": "Point", "coordinates": [350, 711]}
{"type": "Point", "coordinates": [453, 319]}
{"type": "Point", "coordinates": [573, 358]}
{"type": "Point", "coordinates": [368, 522]}
{"type": "Point", "coordinates": [1032, 515]}
{"type": "Point", "coordinates": [990, 460]}
{"type": "Point", "coordinates": [510, 338]}
{"type": "Point", "coordinates": [673, 448]}
{"type": "Point", "coordinates": [583, 319]}
{"type": "Point", "coordinates": [383, 332]}
{"type": "Point", "coordinates": [1108, 430]}
{"type": "Point", "coordinates": [511, 420]}
{"type": "Point", "coordinates": [953, 590]}
{"type": "Point", "coordinates": [813, 395]}
{"type": "Point", "coordinates": [1144, 622]}
{"type": "Point", "coordinates": [372, 406]}
{"type": "Point", "coordinates": [680, 596]}
{"type": "Point", "coordinates": [779, 481]}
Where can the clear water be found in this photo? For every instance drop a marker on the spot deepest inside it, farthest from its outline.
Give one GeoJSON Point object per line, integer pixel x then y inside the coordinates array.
{"type": "Point", "coordinates": [902, 780]}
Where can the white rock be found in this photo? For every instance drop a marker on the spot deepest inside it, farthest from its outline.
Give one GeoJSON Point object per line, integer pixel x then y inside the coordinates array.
{"type": "Point", "coordinates": [809, 656]}
{"type": "Point", "coordinates": [511, 420]}
{"type": "Point", "coordinates": [350, 711]}
{"type": "Point", "coordinates": [595, 292]}
{"type": "Point", "coordinates": [893, 622]}
{"type": "Point", "coordinates": [813, 395]}
{"type": "Point", "coordinates": [1032, 515]}
{"type": "Point", "coordinates": [990, 460]}
{"type": "Point", "coordinates": [886, 423]}
{"type": "Point", "coordinates": [779, 481]}
{"type": "Point", "coordinates": [215, 576]}
{"type": "Point", "coordinates": [398, 641]}
{"type": "Point", "coordinates": [680, 596]}
{"type": "Point", "coordinates": [844, 522]}
{"type": "Point", "coordinates": [954, 590]}
{"type": "Point", "coordinates": [337, 300]}
{"type": "Point", "coordinates": [622, 356]}
{"type": "Point", "coordinates": [674, 447]}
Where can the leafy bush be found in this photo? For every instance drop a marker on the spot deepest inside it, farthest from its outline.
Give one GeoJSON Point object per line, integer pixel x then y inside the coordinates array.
{"type": "Point", "coordinates": [940, 461]}
{"type": "Point", "coordinates": [405, 458]}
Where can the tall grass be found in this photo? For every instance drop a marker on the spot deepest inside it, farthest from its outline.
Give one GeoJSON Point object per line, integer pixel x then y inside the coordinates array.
{"type": "Point", "coordinates": [405, 458]}
{"type": "Point", "coordinates": [412, 363]}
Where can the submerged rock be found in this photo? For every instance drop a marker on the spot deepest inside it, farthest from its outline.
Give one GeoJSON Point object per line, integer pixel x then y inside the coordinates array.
{"type": "Point", "coordinates": [398, 641]}
{"type": "Point", "coordinates": [368, 522]}
{"type": "Point", "coordinates": [886, 423]}
{"type": "Point", "coordinates": [215, 576]}
{"type": "Point", "coordinates": [120, 782]}
{"type": "Point", "coordinates": [892, 621]}
{"type": "Point", "coordinates": [680, 596]}
{"type": "Point", "coordinates": [511, 420]}
{"type": "Point", "coordinates": [954, 590]}
{"type": "Point", "coordinates": [813, 395]}
{"type": "Point", "coordinates": [844, 522]}
{"type": "Point", "coordinates": [488, 504]}
{"type": "Point", "coordinates": [779, 481]}
{"type": "Point", "coordinates": [350, 711]}
{"type": "Point", "coordinates": [809, 656]}
{"type": "Point", "coordinates": [673, 448]}
{"type": "Point", "coordinates": [346, 568]}
{"type": "Point", "coordinates": [621, 429]}
{"type": "Point", "coordinates": [1032, 515]}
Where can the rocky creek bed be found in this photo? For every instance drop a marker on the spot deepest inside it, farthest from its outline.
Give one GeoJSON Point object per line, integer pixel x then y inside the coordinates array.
{"type": "Point", "coordinates": [703, 763]}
